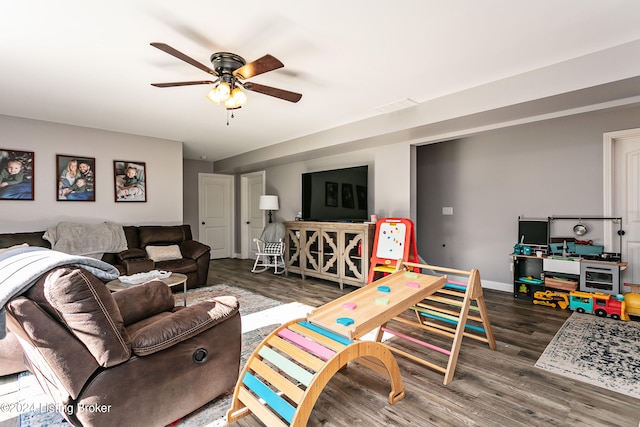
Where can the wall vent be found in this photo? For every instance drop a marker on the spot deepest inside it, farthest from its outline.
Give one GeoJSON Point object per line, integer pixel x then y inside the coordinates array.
{"type": "Point", "coordinates": [396, 106]}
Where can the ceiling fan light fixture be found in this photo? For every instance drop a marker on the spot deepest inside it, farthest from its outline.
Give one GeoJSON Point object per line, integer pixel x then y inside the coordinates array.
{"type": "Point", "coordinates": [236, 100]}
{"type": "Point", "coordinates": [211, 96]}
{"type": "Point", "coordinates": [220, 93]}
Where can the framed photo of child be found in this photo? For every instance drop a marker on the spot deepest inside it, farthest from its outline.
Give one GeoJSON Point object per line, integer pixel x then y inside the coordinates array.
{"type": "Point", "coordinates": [16, 174]}
{"type": "Point", "coordinates": [130, 181]}
{"type": "Point", "coordinates": [75, 178]}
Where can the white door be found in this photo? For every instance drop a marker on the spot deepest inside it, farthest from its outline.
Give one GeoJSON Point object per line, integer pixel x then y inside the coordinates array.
{"type": "Point", "coordinates": [625, 181]}
{"type": "Point", "coordinates": [216, 213]}
{"type": "Point", "coordinates": [252, 187]}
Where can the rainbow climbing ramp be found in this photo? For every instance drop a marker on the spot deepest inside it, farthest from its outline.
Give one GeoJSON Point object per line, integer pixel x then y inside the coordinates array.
{"type": "Point", "coordinates": [287, 372]}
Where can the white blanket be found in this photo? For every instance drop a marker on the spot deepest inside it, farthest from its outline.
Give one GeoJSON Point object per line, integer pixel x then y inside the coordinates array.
{"type": "Point", "coordinates": [22, 267]}
{"type": "Point", "coordinates": [91, 240]}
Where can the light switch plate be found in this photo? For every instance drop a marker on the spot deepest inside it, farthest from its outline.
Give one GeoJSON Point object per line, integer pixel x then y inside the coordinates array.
{"type": "Point", "coordinates": [447, 210]}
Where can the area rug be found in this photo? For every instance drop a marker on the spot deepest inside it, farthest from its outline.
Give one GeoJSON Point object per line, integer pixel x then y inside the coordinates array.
{"type": "Point", "coordinates": [250, 302]}
{"type": "Point", "coordinates": [260, 316]}
{"type": "Point", "coordinates": [598, 351]}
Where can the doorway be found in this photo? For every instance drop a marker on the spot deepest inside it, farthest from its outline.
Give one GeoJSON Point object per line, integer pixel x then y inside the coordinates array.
{"type": "Point", "coordinates": [622, 196]}
{"type": "Point", "coordinates": [252, 186]}
{"type": "Point", "coordinates": [216, 213]}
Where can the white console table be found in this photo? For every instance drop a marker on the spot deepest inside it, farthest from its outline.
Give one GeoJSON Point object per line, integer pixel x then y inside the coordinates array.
{"type": "Point", "coordinates": [335, 251]}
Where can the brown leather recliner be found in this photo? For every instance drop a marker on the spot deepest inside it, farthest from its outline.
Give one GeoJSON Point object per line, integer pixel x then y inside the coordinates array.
{"type": "Point", "coordinates": [11, 359]}
{"type": "Point", "coordinates": [127, 358]}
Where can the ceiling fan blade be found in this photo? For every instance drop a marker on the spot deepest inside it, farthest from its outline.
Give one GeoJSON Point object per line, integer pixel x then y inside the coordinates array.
{"type": "Point", "coordinates": [259, 66]}
{"type": "Point", "coordinates": [199, 82]}
{"type": "Point", "coordinates": [171, 51]}
{"type": "Point", "coordinates": [272, 91]}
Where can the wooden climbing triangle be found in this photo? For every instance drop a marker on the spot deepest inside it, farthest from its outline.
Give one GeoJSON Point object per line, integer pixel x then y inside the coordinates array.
{"type": "Point", "coordinates": [456, 311]}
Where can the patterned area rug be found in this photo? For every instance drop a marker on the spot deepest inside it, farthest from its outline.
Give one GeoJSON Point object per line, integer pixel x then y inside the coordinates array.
{"type": "Point", "coordinates": [596, 350]}
{"type": "Point", "coordinates": [250, 302]}
{"type": "Point", "coordinates": [260, 316]}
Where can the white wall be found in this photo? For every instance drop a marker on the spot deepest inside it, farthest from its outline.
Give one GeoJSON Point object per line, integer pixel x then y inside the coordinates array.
{"type": "Point", "coordinates": [163, 160]}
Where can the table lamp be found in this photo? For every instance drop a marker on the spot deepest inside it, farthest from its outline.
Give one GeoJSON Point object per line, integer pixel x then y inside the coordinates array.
{"type": "Point", "coordinates": [269, 203]}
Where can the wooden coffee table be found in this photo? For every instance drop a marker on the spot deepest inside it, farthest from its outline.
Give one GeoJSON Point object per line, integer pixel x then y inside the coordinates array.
{"type": "Point", "coordinates": [176, 279]}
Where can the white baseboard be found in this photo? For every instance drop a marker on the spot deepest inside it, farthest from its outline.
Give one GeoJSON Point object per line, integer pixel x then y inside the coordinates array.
{"type": "Point", "coordinates": [498, 286]}
{"type": "Point", "coordinates": [486, 284]}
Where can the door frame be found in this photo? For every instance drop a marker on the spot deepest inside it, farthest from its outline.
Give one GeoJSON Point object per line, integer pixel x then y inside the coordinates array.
{"type": "Point", "coordinates": [244, 209]}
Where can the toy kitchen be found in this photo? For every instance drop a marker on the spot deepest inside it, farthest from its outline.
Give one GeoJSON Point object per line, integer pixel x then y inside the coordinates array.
{"type": "Point", "coordinates": [568, 253]}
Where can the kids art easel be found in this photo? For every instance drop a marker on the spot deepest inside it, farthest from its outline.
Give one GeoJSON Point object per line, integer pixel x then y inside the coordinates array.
{"type": "Point", "coordinates": [457, 310]}
{"type": "Point", "coordinates": [394, 239]}
{"type": "Point", "coordinates": [287, 372]}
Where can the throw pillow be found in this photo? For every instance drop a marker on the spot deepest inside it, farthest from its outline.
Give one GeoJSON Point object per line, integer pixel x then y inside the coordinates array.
{"type": "Point", "coordinates": [273, 248]}
{"type": "Point", "coordinates": [163, 253]}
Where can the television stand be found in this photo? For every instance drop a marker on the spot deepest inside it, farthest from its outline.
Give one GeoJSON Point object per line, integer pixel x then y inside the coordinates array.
{"type": "Point", "coordinates": [334, 251]}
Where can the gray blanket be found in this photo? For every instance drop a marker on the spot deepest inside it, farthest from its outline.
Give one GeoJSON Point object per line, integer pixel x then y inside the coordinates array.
{"type": "Point", "coordinates": [273, 232]}
{"type": "Point", "coordinates": [21, 268]}
{"type": "Point", "coordinates": [91, 240]}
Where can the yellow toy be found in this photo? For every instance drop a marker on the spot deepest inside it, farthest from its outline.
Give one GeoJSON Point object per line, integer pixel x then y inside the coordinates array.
{"type": "Point", "coordinates": [632, 299]}
{"type": "Point", "coordinates": [551, 299]}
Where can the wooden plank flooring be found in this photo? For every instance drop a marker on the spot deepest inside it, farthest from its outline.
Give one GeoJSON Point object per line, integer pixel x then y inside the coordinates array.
{"type": "Point", "coordinates": [490, 388]}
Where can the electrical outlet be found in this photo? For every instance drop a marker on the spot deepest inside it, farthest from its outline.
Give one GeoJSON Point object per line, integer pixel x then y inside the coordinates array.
{"type": "Point", "coordinates": [447, 210]}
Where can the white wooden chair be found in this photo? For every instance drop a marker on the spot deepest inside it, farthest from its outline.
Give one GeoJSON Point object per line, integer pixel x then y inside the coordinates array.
{"type": "Point", "coordinates": [270, 249]}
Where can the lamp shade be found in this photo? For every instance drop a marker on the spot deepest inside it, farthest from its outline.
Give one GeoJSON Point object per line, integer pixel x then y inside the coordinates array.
{"type": "Point", "coordinates": [268, 203]}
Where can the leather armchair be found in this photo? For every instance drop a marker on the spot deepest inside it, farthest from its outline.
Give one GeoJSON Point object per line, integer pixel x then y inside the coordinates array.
{"type": "Point", "coordinates": [127, 358]}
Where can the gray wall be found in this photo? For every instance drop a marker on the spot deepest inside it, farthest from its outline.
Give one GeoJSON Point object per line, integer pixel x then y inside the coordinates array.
{"type": "Point", "coordinates": [536, 170]}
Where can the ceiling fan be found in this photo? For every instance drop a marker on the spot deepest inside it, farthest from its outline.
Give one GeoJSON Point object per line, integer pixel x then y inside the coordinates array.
{"type": "Point", "coordinates": [231, 71]}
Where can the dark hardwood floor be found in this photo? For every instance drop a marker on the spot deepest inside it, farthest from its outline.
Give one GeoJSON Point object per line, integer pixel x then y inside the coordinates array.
{"type": "Point", "coordinates": [490, 388]}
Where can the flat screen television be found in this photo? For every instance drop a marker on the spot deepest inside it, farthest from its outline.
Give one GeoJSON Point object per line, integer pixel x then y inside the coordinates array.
{"type": "Point", "coordinates": [336, 195]}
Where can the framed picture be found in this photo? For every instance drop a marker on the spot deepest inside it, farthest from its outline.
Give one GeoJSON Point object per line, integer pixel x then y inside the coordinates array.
{"type": "Point", "coordinates": [348, 200]}
{"type": "Point", "coordinates": [130, 181]}
{"type": "Point", "coordinates": [75, 178]}
{"type": "Point", "coordinates": [16, 174]}
{"type": "Point", "coordinates": [331, 194]}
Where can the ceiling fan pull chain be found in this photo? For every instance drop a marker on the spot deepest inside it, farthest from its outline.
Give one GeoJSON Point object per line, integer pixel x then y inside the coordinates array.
{"type": "Point", "coordinates": [227, 117]}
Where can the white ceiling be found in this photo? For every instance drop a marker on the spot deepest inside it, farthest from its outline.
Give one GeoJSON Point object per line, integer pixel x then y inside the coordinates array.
{"type": "Point", "coordinates": [89, 62]}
